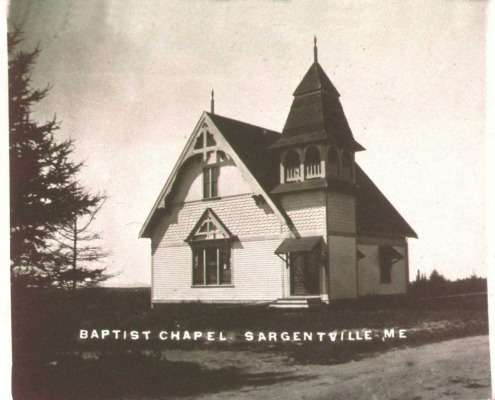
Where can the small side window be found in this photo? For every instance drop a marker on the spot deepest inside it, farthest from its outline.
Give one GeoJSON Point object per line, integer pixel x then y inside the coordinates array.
{"type": "Point", "coordinates": [387, 256]}
{"type": "Point", "coordinates": [210, 182]}
{"type": "Point", "coordinates": [385, 267]}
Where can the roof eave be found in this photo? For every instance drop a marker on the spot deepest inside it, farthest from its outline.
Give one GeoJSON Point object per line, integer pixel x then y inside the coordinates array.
{"type": "Point", "coordinates": [365, 232]}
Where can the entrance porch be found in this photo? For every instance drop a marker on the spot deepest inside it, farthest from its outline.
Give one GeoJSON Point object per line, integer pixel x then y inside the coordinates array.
{"type": "Point", "coordinates": [304, 260]}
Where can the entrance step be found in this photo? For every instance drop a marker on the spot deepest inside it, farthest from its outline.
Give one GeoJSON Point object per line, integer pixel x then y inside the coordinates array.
{"type": "Point", "coordinates": [297, 302]}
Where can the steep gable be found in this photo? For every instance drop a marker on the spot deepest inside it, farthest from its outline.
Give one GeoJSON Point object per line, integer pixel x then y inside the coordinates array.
{"type": "Point", "coordinates": [209, 227]}
{"type": "Point", "coordinates": [248, 145]}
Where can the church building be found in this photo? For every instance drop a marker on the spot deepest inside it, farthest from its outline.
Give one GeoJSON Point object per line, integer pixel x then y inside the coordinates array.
{"type": "Point", "coordinates": [253, 215]}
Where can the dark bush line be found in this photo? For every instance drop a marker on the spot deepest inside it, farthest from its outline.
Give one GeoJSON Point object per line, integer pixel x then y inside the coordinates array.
{"type": "Point", "coordinates": [437, 285]}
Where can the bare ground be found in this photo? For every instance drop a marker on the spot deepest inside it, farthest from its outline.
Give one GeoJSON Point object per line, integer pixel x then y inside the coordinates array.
{"type": "Point", "coordinates": [455, 369]}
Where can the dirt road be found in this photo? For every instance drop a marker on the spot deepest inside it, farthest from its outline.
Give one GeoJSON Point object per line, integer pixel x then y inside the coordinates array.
{"type": "Point", "coordinates": [455, 369]}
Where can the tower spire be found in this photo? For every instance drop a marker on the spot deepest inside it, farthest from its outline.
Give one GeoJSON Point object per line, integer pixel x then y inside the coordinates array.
{"type": "Point", "coordinates": [212, 101]}
{"type": "Point", "coordinates": [316, 51]}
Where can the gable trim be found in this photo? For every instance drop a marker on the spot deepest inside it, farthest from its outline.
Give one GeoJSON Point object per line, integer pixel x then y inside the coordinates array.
{"type": "Point", "coordinates": [143, 233]}
{"type": "Point", "coordinates": [246, 174]}
{"type": "Point", "coordinates": [209, 213]}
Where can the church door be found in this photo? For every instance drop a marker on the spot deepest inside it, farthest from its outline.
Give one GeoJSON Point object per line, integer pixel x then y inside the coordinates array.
{"type": "Point", "coordinates": [304, 274]}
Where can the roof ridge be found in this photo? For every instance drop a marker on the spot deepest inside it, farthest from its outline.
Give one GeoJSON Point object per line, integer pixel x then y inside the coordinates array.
{"type": "Point", "coordinates": [241, 122]}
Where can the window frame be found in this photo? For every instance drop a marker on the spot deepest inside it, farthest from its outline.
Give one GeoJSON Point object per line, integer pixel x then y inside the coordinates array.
{"type": "Point", "coordinates": [292, 172]}
{"type": "Point", "coordinates": [211, 240]}
{"type": "Point", "coordinates": [219, 246]}
{"type": "Point", "coordinates": [387, 256]}
{"type": "Point", "coordinates": [312, 168]}
{"type": "Point", "coordinates": [385, 271]}
{"type": "Point", "coordinates": [211, 173]}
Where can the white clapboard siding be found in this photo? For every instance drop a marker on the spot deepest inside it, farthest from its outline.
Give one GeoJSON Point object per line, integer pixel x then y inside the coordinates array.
{"type": "Point", "coordinates": [256, 274]}
{"type": "Point", "coordinates": [342, 262]}
{"type": "Point", "coordinates": [369, 272]}
{"type": "Point", "coordinates": [286, 280]}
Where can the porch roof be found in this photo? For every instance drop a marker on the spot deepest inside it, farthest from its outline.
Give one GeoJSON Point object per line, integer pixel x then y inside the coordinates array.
{"type": "Point", "coordinates": [294, 245]}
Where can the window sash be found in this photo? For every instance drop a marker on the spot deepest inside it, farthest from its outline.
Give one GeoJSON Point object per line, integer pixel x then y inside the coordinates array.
{"type": "Point", "coordinates": [385, 265]}
{"type": "Point", "coordinates": [214, 181]}
{"type": "Point", "coordinates": [385, 273]}
{"type": "Point", "coordinates": [198, 267]}
{"type": "Point", "coordinates": [212, 265]}
{"type": "Point", "coordinates": [210, 182]}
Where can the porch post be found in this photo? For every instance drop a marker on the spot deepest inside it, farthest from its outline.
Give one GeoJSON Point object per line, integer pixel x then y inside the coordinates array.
{"type": "Point", "coordinates": [324, 278]}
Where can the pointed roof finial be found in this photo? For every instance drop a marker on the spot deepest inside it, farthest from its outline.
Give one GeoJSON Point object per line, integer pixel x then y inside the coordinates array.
{"type": "Point", "coordinates": [212, 101]}
{"type": "Point", "coordinates": [316, 51]}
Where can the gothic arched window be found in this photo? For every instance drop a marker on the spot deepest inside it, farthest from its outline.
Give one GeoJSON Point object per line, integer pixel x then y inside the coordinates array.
{"type": "Point", "coordinates": [292, 166]}
{"type": "Point", "coordinates": [312, 163]}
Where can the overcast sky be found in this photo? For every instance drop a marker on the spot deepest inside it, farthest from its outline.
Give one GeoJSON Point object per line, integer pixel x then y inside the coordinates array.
{"type": "Point", "coordinates": [131, 80]}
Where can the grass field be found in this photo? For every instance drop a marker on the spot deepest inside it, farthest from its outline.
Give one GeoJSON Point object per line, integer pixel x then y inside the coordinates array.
{"type": "Point", "coordinates": [50, 361]}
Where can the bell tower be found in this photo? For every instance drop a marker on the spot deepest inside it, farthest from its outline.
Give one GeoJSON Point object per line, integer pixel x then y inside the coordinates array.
{"type": "Point", "coordinates": [316, 153]}
{"type": "Point", "coordinates": [316, 141]}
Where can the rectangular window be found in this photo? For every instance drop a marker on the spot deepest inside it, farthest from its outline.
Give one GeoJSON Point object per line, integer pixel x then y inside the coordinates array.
{"type": "Point", "coordinates": [198, 267]}
{"type": "Point", "coordinates": [214, 181]}
{"type": "Point", "coordinates": [211, 265]}
{"type": "Point", "coordinates": [385, 264]}
{"type": "Point", "coordinates": [224, 266]}
{"type": "Point", "coordinates": [210, 182]}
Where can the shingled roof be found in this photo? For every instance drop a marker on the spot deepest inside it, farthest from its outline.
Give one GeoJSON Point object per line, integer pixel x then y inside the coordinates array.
{"type": "Point", "coordinates": [316, 114]}
{"type": "Point", "coordinates": [374, 213]}
{"type": "Point", "coordinates": [252, 144]}
{"type": "Point", "coordinates": [316, 79]}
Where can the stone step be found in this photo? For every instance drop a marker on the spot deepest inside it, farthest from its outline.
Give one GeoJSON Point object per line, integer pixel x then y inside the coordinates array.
{"type": "Point", "coordinates": [294, 302]}
{"type": "Point", "coordinates": [286, 305]}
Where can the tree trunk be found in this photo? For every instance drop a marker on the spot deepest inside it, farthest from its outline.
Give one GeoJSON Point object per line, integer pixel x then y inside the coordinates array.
{"type": "Point", "coordinates": [74, 255]}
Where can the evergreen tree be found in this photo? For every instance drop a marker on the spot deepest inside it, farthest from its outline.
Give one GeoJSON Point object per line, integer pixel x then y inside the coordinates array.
{"type": "Point", "coordinates": [44, 192]}
{"type": "Point", "coordinates": [77, 250]}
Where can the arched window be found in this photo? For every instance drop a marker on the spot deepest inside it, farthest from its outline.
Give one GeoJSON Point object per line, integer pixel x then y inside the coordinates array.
{"type": "Point", "coordinates": [312, 163]}
{"type": "Point", "coordinates": [347, 165]}
{"type": "Point", "coordinates": [333, 162]}
{"type": "Point", "coordinates": [292, 166]}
